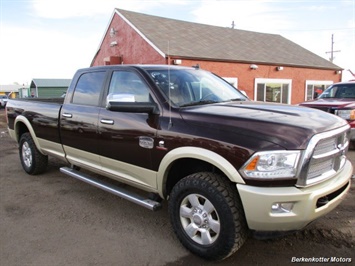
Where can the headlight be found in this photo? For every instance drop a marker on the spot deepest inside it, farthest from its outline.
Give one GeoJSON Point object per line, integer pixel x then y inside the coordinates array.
{"type": "Point", "coordinates": [271, 164]}
{"type": "Point", "coordinates": [346, 114]}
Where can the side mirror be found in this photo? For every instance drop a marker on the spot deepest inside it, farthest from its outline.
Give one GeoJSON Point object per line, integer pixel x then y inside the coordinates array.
{"type": "Point", "coordinates": [126, 103]}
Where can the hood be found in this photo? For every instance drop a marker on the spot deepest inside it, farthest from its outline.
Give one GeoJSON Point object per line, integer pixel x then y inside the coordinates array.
{"type": "Point", "coordinates": [332, 103]}
{"type": "Point", "coordinates": [290, 127]}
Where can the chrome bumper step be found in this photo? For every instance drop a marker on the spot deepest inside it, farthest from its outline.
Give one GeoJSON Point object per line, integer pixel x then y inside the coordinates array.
{"type": "Point", "coordinates": [118, 191]}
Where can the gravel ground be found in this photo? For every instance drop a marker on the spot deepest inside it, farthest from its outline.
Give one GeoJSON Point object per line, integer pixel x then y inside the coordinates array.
{"type": "Point", "coordinates": [52, 219]}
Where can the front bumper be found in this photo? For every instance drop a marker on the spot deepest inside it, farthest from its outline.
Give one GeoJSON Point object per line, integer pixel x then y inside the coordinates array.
{"type": "Point", "coordinates": [257, 202]}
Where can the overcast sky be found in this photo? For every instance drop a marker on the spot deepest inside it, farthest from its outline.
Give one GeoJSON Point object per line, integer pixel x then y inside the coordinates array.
{"type": "Point", "coordinates": [53, 38]}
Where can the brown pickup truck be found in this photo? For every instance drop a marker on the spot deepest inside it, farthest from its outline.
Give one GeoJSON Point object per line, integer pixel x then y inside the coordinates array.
{"type": "Point", "coordinates": [227, 166]}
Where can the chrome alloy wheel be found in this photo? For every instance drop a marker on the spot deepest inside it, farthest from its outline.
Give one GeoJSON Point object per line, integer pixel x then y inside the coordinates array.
{"type": "Point", "coordinates": [199, 219]}
{"type": "Point", "coordinates": [27, 154]}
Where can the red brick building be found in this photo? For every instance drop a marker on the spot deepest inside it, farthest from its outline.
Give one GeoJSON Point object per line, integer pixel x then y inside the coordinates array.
{"type": "Point", "coordinates": [267, 67]}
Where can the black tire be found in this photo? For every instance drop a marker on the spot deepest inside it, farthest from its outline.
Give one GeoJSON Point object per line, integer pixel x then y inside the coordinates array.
{"type": "Point", "coordinates": [32, 161]}
{"type": "Point", "coordinates": [207, 215]}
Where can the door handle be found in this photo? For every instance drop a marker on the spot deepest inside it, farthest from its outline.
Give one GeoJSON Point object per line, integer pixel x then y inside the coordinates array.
{"type": "Point", "coordinates": [67, 115]}
{"type": "Point", "coordinates": [107, 121]}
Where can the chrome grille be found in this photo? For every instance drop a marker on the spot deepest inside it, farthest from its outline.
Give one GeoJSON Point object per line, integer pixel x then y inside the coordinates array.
{"type": "Point", "coordinates": [325, 155]}
{"type": "Point", "coordinates": [318, 167]}
{"type": "Point", "coordinates": [325, 146]}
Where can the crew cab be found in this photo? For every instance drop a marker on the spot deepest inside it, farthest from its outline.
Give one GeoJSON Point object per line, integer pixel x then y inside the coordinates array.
{"type": "Point", "coordinates": [338, 99]}
{"type": "Point", "coordinates": [226, 165]}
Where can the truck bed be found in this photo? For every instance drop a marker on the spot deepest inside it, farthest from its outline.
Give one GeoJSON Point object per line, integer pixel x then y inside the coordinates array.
{"type": "Point", "coordinates": [42, 113]}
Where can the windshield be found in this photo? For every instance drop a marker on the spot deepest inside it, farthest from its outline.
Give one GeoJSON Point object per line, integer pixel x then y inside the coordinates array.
{"type": "Point", "coordinates": [339, 91]}
{"type": "Point", "coordinates": [186, 87]}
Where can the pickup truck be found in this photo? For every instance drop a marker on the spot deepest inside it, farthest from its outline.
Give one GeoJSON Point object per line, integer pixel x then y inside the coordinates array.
{"type": "Point", "coordinates": [227, 166]}
{"type": "Point", "coordinates": [338, 99]}
{"type": "Point", "coordinates": [3, 101]}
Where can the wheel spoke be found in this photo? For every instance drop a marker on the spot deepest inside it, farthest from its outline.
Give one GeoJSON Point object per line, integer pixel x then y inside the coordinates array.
{"type": "Point", "coordinates": [208, 207]}
{"type": "Point", "coordinates": [214, 225]}
{"type": "Point", "coordinates": [191, 230]}
{"type": "Point", "coordinates": [185, 212]}
{"type": "Point", "coordinates": [206, 237]}
{"type": "Point", "coordinates": [193, 199]}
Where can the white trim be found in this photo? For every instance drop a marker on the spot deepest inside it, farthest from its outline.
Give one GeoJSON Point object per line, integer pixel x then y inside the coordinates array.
{"type": "Point", "coordinates": [195, 153]}
{"type": "Point", "coordinates": [316, 82]}
{"type": "Point", "coordinates": [320, 82]}
{"type": "Point", "coordinates": [115, 11]}
{"type": "Point", "coordinates": [270, 80]}
{"type": "Point", "coordinates": [140, 33]}
{"type": "Point", "coordinates": [108, 25]}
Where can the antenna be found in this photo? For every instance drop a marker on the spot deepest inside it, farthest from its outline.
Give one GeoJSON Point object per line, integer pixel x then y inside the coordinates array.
{"type": "Point", "coordinates": [169, 86]}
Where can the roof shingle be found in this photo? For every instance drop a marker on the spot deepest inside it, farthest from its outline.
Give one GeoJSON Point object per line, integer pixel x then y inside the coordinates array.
{"type": "Point", "coordinates": [194, 40]}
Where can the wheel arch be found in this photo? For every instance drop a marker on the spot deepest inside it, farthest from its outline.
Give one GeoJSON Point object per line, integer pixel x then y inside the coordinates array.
{"type": "Point", "coordinates": [184, 161]}
{"type": "Point", "coordinates": [22, 125]}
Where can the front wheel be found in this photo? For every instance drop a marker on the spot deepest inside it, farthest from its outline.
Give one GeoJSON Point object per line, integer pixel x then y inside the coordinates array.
{"type": "Point", "coordinates": [207, 215]}
{"type": "Point", "coordinates": [33, 162]}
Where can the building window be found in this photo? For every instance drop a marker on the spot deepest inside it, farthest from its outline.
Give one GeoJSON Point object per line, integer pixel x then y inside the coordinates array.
{"type": "Point", "coordinates": [273, 90]}
{"type": "Point", "coordinates": [315, 87]}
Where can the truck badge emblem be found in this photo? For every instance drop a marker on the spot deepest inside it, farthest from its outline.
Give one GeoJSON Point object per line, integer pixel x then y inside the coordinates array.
{"type": "Point", "coordinates": [146, 142]}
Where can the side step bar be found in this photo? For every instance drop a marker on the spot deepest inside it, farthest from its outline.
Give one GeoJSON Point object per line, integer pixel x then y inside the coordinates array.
{"type": "Point", "coordinates": [118, 191]}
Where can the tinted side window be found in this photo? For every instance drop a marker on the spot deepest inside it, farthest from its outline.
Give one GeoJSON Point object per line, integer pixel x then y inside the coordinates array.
{"type": "Point", "coordinates": [128, 87]}
{"type": "Point", "coordinates": [88, 88]}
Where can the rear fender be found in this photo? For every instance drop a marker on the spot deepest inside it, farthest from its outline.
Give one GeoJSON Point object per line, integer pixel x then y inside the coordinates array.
{"type": "Point", "coordinates": [22, 119]}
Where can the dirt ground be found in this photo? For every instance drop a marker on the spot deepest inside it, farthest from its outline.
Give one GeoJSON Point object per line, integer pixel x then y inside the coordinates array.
{"type": "Point", "coordinates": [53, 219]}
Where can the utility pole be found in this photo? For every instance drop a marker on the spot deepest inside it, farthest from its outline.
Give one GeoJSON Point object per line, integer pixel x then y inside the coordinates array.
{"type": "Point", "coordinates": [331, 52]}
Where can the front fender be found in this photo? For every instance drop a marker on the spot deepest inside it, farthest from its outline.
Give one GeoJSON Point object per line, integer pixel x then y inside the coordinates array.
{"type": "Point", "coordinates": [196, 153]}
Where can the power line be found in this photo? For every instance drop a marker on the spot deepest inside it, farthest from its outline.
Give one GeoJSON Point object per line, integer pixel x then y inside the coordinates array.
{"type": "Point", "coordinates": [335, 29]}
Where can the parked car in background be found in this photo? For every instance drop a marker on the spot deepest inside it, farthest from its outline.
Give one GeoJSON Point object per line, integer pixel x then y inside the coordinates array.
{"type": "Point", "coordinates": [3, 101]}
{"type": "Point", "coordinates": [338, 99]}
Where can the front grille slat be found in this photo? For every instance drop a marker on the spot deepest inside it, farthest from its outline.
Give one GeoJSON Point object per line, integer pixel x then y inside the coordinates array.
{"type": "Point", "coordinates": [325, 146]}
{"type": "Point", "coordinates": [319, 167]}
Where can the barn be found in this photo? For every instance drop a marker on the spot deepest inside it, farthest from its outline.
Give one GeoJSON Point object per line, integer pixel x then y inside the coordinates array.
{"type": "Point", "coordinates": [48, 88]}
{"type": "Point", "coordinates": [268, 67]}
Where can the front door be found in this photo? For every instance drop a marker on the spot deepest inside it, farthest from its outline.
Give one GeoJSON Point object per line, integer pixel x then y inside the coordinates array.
{"type": "Point", "coordinates": [127, 138]}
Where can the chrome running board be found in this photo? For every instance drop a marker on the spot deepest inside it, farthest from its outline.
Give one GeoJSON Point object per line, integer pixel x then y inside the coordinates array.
{"type": "Point", "coordinates": [118, 191]}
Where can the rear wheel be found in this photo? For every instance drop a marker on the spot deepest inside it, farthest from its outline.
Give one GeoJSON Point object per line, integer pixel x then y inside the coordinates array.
{"type": "Point", "coordinates": [33, 162]}
{"type": "Point", "coordinates": [207, 215]}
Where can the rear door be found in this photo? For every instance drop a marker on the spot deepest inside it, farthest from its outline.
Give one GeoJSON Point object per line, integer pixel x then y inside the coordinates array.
{"type": "Point", "coordinates": [127, 138]}
{"type": "Point", "coordinates": [79, 120]}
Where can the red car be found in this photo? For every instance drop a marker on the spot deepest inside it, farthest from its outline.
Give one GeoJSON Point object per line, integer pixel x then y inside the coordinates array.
{"type": "Point", "coordinates": [338, 99]}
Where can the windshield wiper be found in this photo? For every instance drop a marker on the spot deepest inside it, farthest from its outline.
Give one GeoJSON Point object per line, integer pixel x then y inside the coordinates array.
{"type": "Point", "coordinates": [236, 99]}
{"type": "Point", "coordinates": [198, 103]}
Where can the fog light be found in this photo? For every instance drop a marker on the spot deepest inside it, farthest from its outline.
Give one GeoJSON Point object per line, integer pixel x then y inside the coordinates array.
{"type": "Point", "coordinates": [282, 207]}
